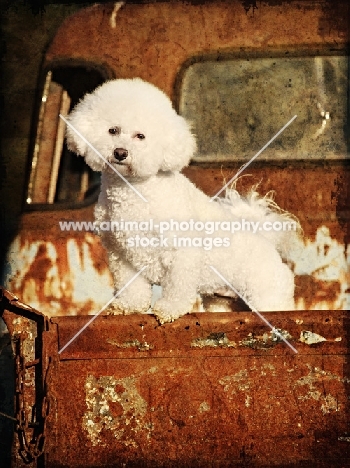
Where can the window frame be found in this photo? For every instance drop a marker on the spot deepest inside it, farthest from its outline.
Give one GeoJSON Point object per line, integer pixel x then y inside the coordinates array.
{"type": "Point", "coordinates": [34, 161]}
{"type": "Point", "coordinates": [273, 53]}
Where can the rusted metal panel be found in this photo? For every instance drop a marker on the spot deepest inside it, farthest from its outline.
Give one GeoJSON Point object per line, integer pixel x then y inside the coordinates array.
{"type": "Point", "coordinates": [233, 334]}
{"type": "Point", "coordinates": [263, 411]}
{"type": "Point", "coordinates": [59, 272]}
{"type": "Point", "coordinates": [206, 390]}
{"type": "Point", "coordinates": [155, 41]}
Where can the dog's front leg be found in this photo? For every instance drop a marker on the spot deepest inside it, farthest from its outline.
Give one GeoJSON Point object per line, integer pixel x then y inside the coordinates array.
{"type": "Point", "coordinates": [136, 297]}
{"type": "Point", "coordinates": [180, 286]}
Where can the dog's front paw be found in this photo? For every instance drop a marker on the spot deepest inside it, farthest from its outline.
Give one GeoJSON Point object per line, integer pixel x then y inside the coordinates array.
{"type": "Point", "coordinates": [126, 306]}
{"type": "Point", "coordinates": [168, 311]}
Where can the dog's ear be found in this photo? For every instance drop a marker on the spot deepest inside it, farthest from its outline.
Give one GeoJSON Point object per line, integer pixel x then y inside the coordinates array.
{"type": "Point", "coordinates": [79, 120]}
{"type": "Point", "coordinates": [180, 145]}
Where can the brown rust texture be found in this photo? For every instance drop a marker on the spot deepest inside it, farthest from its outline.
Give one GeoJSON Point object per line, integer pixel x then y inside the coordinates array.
{"type": "Point", "coordinates": [27, 328]}
{"type": "Point", "coordinates": [242, 397]}
{"type": "Point", "coordinates": [206, 390]}
{"type": "Point", "coordinates": [221, 334]}
{"type": "Point", "coordinates": [325, 183]}
{"type": "Point", "coordinates": [153, 42]}
{"type": "Point", "coordinates": [49, 260]}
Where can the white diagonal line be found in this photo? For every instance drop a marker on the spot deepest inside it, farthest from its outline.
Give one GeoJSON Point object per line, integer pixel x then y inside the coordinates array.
{"type": "Point", "coordinates": [252, 159]}
{"type": "Point", "coordinates": [101, 310]}
{"type": "Point", "coordinates": [274, 330]}
{"type": "Point", "coordinates": [103, 158]}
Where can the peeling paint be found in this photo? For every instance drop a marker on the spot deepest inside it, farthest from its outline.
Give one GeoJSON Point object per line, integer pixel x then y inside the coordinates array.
{"type": "Point", "coordinates": [327, 261]}
{"type": "Point", "coordinates": [115, 405]}
{"type": "Point", "coordinates": [318, 375]}
{"type": "Point", "coordinates": [214, 340]}
{"type": "Point", "coordinates": [140, 346]}
{"type": "Point", "coordinates": [113, 18]}
{"type": "Point", "coordinates": [59, 278]}
{"type": "Point", "coordinates": [71, 277]}
{"type": "Point", "coordinates": [314, 395]}
{"type": "Point", "coordinates": [248, 399]}
{"type": "Point", "coordinates": [310, 338]}
{"type": "Point", "coordinates": [267, 367]}
{"type": "Point", "coordinates": [204, 407]}
{"type": "Point", "coordinates": [267, 340]}
{"type": "Point", "coordinates": [243, 381]}
{"type": "Point", "coordinates": [329, 403]}
{"type": "Point", "coordinates": [239, 381]}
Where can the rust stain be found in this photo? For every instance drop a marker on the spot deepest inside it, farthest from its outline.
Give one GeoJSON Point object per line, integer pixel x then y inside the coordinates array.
{"type": "Point", "coordinates": [27, 329]}
{"type": "Point", "coordinates": [314, 383]}
{"type": "Point", "coordinates": [322, 269]}
{"type": "Point", "coordinates": [114, 405]}
{"type": "Point", "coordinates": [204, 410]}
{"type": "Point", "coordinates": [60, 277]}
{"type": "Point", "coordinates": [70, 276]}
{"type": "Point", "coordinates": [237, 382]}
{"type": "Point", "coordinates": [317, 375]}
{"type": "Point", "coordinates": [140, 346]}
{"type": "Point", "coordinates": [138, 408]}
{"type": "Point", "coordinates": [152, 41]}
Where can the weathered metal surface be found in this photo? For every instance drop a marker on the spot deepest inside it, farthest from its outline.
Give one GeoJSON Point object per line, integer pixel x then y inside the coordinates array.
{"type": "Point", "coordinates": [220, 334]}
{"type": "Point", "coordinates": [59, 272]}
{"type": "Point", "coordinates": [201, 412]}
{"type": "Point", "coordinates": [206, 390]}
{"type": "Point", "coordinates": [27, 328]}
{"type": "Point", "coordinates": [154, 41]}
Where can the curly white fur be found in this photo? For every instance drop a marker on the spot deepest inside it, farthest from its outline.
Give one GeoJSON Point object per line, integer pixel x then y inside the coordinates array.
{"type": "Point", "coordinates": [149, 145]}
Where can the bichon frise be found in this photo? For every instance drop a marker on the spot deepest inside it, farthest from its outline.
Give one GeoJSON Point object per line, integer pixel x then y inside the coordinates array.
{"type": "Point", "coordinates": [164, 223]}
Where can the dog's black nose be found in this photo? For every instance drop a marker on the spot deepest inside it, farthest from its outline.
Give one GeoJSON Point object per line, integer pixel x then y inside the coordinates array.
{"type": "Point", "coordinates": [120, 154]}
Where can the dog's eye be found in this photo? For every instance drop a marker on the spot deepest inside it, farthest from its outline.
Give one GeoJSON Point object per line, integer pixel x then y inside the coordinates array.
{"type": "Point", "coordinates": [140, 136]}
{"type": "Point", "coordinates": [114, 130]}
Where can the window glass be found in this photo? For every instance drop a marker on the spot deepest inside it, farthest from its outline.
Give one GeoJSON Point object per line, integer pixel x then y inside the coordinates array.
{"type": "Point", "coordinates": [236, 106]}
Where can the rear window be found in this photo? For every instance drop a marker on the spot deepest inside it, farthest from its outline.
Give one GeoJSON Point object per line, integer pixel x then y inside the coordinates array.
{"type": "Point", "coordinates": [238, 105]}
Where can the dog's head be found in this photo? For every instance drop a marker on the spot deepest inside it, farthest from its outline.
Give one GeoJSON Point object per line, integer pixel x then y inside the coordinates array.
{"type": "Point", "coordinates": [133, 126]}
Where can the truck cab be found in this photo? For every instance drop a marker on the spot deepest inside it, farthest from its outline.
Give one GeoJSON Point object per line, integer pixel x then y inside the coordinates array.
{"type": "Point", "coordinates": [238, 73]}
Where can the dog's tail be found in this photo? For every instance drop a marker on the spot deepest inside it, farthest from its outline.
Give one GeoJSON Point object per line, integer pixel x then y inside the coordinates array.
{"type": "Point", "coordinates": [263, 216]}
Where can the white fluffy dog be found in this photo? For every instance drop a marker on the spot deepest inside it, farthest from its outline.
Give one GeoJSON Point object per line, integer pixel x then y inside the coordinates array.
{"type": "Point", "coordinates": [135, 130]}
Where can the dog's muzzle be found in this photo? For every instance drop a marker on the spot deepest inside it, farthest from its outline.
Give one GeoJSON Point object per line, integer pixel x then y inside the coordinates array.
{"type": "Point", "coordinates": [120, 154]}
